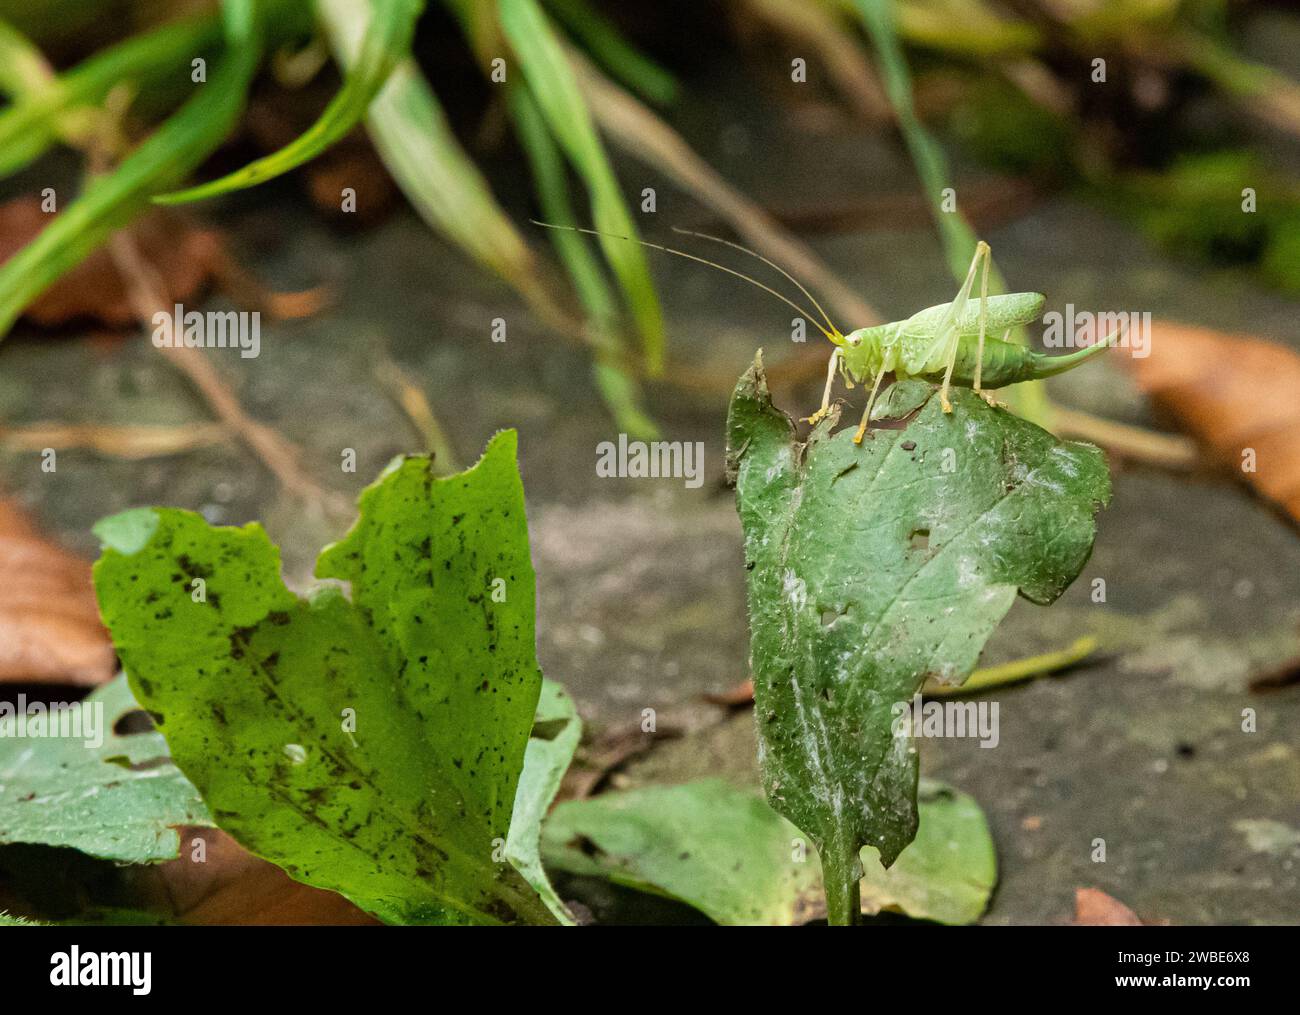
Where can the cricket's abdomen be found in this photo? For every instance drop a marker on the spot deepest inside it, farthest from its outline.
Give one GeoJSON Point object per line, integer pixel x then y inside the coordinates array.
{"type": "Point", "coordinates": [1004, 363]}
{"type": "Point", "coordinates": [1007, 363]}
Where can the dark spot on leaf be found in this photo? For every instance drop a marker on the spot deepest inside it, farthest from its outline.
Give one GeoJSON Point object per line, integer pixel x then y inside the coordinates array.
{"type": "Point", "coordinates": [140, 766]}
{"type": "Point", "coordinates": [843, 472]}
{"type": "Point", "coordinates": [192, 568]}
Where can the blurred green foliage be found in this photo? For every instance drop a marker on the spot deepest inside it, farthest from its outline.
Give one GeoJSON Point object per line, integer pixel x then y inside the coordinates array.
{"type": "Point", "coordinates": [1017, 91]}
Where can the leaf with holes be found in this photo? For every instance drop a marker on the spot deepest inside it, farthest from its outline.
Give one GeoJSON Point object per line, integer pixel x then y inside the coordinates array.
{"type": "Point", "coordinates": [114, 796]}
{"type": "Point", "coordinates": [872, 567]}
{"type": "Point", "coordinates": [370, 745]}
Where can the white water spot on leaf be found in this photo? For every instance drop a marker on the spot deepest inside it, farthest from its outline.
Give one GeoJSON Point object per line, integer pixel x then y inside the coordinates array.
{"type": "Point", "coordinates": [1065, 461]}
{"type": "Point", "coordinates": [795, 590]}
{"type": "Point", "coordinates": [296, 753]}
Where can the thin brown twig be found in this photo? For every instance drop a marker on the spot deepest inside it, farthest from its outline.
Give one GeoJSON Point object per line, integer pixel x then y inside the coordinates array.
{"type": "Point", "coordinates": [410, 398]}
{"type": "Point", "coordinates": [131, 442]}
{"type": "Point", "coordinates": [277, 454]}
{"type": "Point", "coordinates": [1168, 451]}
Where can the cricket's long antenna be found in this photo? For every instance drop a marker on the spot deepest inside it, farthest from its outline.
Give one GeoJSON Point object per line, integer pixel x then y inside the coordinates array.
{"type": "Point", "coordinates": [770, 263]}
{"type": "Point", "coordinates": [833, 336]}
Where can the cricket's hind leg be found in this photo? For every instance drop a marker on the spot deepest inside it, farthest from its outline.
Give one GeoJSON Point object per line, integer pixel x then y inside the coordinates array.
{"type": "Point", "coordinates": [984, 305]}
{"type": "Point", "coordinates": [947, 374]}
{"type": "Point", "coordinates": [952, 321]}
{"type": "Point", "coordinates": [866, 413]}
{"type": "Point", "coordinates": [820, 414]}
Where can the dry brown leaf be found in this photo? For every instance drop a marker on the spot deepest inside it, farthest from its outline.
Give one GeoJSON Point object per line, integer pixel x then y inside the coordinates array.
{"type": "Point", "coordinates": [49, 621]}
{"type": "Point", "coordinates": [1236, 395]}
{"type": "Point", "coordinates": [1094, 908]}
{"type": "Point", "coordinates": [186, 257]}
{"type": "Point", "coordinates": [232, 886]}
{"type": "Point", "coordinates": [94, 289]}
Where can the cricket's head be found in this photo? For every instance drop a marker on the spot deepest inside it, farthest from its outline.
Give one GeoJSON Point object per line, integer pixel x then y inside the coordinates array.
{"type": "Point", "coordinates": [863, 349]}
{"type": "Point", "coordinates": [868, 337]}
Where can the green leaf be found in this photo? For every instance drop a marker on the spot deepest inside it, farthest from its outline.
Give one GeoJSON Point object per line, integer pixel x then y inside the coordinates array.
{"type": "Point", "coordinates": [432, 661]}
{"type": "Point", "coordinates": [873, 567]}
{"type": "Point", "coordinates": [387, 42]}
{"type": "Point", "coordinates": [111, 201]}
{"type": "Point", "coordinates": [121, 800]}
{"type": "Point", "coordinates": [554, 88]}
{"type": "Point", "coordinates": [556, 732]}
{"type": "Point", "coordinates": [727, 853]}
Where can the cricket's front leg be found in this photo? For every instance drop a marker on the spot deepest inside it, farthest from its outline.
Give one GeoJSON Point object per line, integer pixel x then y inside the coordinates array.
{"type": "Point", "coordinates": [820, 414]}
{"type": "Point", "coordinates": [871, 401]}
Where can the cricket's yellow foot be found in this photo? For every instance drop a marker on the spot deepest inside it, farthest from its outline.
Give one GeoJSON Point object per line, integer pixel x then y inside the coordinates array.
{"type": "Point", "coordinates": [816, 417]}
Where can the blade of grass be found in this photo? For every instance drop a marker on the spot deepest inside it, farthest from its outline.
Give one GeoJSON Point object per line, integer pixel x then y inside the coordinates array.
{"type": "Point", "coordinates": [23, 68]}
{"type": "Point", "coordinates": [24, 72]}
{"type": "Point", "coordinates": [1261, 91]}
{"type": "Point", "coordinates": [387, 42]}
{"type": "Point", "coordinates": [967, 29]}
{"type": "Point", "coordinates": [39, 116]}
{"type": "Point", "coordinates": [927, 156]}
{"type": "Point", "coordinates": [620, 58]}
{"type": "Point", "coordinates": [620, 391]}
{"type": "Point", "coordinates": [411, 133]}
{"type": "Point", "coordinates": [1016, 671]}
{"type": "Point", "coordinates": [112, 200]}
{"type": "Point", "coordinates": [547, 164]}
{"type": "Point", "coordinates": [554, 87]}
